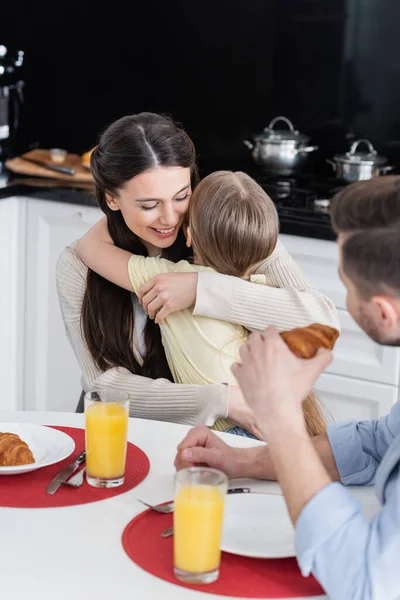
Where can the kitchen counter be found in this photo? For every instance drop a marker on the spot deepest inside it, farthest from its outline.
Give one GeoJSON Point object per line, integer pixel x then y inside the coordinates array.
{"type": "Point", "coordinates": [293, 221]}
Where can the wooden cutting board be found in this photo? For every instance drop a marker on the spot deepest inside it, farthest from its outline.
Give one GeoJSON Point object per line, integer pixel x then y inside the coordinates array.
{"type": "Point", "coordinates": [18, 165]}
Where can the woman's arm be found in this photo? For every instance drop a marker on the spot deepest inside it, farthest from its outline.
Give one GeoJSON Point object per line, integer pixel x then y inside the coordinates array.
{"type": "Point", "coordinates": [97, 250]}
{"type": "Point", "coordinates": [157, 399]}
{"type": "Point", "coordinates": [287, 300]}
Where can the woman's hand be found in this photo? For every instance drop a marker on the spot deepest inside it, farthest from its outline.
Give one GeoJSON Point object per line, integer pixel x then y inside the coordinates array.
{"type": "Point", "coordinates": [240, 412]}
{"type": "Point", "coordinates": [168, 293]}
{"type": "Point", "coordinates": [274, 381]}
{"type": "Point", "coordinates": [202, 447]}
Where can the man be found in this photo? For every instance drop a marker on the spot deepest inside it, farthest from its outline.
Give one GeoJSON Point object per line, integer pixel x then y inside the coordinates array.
{"type": "Point", "coordinates": [352, 558]}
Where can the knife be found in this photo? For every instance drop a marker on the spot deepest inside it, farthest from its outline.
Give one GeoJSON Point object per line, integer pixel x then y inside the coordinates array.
{"type": "Point", "coordinates": [65, 474]}
{"type": "Point", "coordinates": [49, 165]}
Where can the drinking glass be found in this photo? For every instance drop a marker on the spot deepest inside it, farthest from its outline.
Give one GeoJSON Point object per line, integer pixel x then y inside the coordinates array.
{"type": "Point", "coordinates": [198, 520]}
{"type": "Point", "coordinates": [106, 432]}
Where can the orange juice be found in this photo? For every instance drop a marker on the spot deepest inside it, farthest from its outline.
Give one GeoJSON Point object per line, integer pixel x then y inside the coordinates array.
{"type": "Point", "coordinates": [198, 520]}
{"type": "Point", "coordinates": [106, 439]}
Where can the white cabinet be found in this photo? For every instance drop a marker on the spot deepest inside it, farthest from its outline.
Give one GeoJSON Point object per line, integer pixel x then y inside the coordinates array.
{"type": "Point", "coordinates": [52, 374]}
{"type": "Point", "coordinates": [40, 368]}
{"type": "Point", "coordinates": [347, 398]}
{"type": "Point", "coordinates": [362, 382]}
{"type": "Point", "coordinates": [12, 302]}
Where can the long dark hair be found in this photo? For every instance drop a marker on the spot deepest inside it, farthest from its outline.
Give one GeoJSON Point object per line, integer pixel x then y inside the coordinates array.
{"type": "Point", "coordinates": [128, 147]}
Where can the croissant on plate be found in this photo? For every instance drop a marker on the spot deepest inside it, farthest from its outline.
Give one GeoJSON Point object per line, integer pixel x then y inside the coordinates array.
{"type": "Point", "coordinates": [304, 343]}
{"type": "Point", "coordinates": [14, 451]}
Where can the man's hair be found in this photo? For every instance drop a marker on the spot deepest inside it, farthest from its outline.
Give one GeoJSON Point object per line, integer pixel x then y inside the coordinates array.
{"type": "Point", "coordinates": [368, 214]}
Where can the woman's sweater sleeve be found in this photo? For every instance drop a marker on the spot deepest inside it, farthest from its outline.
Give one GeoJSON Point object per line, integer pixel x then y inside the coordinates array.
{"type": "Point", "coordinates": [287, 300]}
{"type": "Point", "coordinates": [157, 399]}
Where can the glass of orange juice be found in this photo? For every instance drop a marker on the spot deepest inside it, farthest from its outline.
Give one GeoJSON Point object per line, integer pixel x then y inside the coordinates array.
{"type": "Point", "coordinates": [198, 519]}
{"type": "Point", "coordinates": [106, 432]}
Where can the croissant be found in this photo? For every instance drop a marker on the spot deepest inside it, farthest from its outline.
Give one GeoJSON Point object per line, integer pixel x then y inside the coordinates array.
{"type": "Point", "coordinates": [14, 451]}
{"type": "Point", "coordinates": [304, 343]}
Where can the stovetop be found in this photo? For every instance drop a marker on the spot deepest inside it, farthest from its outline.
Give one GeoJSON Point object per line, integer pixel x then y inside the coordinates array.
{"type": "Point", "coordinates": [302, 201]}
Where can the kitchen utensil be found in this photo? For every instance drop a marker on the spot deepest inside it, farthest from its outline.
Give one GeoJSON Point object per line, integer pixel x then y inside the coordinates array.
{"type": "Point", "coordinates": [48, 445]}
{"type": "Point", "coordinates": [358, 166]}
{"type": "Point", "coordinates": [19, 165]}
{"type": "Point", "coordinates": [65, 474]}
{"type": "Point", "coordinates": [76, 480]}
{"type": "Point", "coordinates": [49, 165]}
{"type": "Point", "coordinates": [161, 508]}
{"type": "Point", "coordinates": [280, 151]}
{"type": "Point", "coordinates": [167, 532]}
{"type": "Point", "coordinates": [168, 508]}
{"type": "Point", "coordinates": [58, 155]}
{"type": "Point", "coordinates": [257, 526]}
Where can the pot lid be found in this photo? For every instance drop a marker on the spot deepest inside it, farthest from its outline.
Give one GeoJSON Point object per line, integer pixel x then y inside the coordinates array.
{"type": "Point", "coordinates": [269, 134]}
{"type": "Point", "coordinates": [370, 156]}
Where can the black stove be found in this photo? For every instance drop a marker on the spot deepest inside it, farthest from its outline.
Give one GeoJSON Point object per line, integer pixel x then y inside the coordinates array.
{"type": "Point", "coordinates": [302, 201]}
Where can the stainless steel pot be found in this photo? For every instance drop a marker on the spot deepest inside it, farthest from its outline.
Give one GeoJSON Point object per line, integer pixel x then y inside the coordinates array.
{"type": "Point", "coordinates": [280, 151]}
{"type": "Point", "coordinates": [358, 166]}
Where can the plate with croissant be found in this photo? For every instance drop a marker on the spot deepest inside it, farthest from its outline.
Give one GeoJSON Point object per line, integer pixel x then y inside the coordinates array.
{"type": "Point", "coordinates": [25, 447]}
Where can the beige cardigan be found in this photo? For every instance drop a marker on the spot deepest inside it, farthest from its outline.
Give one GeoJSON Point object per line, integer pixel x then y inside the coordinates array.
{"type": "Point", "coordinates": [290, 302]}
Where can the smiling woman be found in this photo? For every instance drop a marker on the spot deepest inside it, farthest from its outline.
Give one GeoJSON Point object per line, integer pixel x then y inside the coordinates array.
{"type": "Point", "coordinates": [154, 204]}
{"type": "Point", "coordinates": [144, 169]}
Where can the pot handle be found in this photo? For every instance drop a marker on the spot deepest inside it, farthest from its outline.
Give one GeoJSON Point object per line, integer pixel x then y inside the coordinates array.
{"type": "Point", "coordinates": [308, 149]}
{"type": "Point", "coordinates": [248, 144]}
{"type": "Point", "coordinates": [355, 145]}
{"type": "Point", "coordinates": [331, 162]}
{"type": "Point", "coordinates": [288, 123]}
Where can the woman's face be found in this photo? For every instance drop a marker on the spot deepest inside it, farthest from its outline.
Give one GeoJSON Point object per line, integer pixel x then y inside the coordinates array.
{"type": "Point", "coordinates": [153, 205]}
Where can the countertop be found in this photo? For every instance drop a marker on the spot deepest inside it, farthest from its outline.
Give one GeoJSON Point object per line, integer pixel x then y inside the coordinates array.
{"type": "Point", "coordinates": [315, 226]}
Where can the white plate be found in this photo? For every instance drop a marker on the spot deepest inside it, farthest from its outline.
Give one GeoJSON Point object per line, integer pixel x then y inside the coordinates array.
{"type": "Point", "coordinates": [48, 445]}
{"type": "Point", "coordinates": [257, 525]}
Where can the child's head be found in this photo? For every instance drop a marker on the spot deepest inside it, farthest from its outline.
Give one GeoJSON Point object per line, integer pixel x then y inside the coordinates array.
{"type": "Point", "coordinates": [234, 224]}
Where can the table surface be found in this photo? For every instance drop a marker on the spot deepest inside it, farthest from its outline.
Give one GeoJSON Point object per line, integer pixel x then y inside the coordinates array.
{"type": "Point", "coordinates": [75, 552]}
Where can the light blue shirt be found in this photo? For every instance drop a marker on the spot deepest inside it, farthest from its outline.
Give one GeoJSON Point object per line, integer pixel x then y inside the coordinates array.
{"type": "Point", "coordinates": [353, 558]}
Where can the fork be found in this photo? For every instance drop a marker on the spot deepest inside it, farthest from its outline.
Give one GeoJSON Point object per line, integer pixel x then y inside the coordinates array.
{"type": "Point", "coordinates": [161, 508]}
{"type": "Point", "coordinates": [76, 480]}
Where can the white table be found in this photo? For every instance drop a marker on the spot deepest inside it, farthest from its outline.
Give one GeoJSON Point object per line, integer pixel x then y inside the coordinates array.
{"type": "Point", "coordinates": [75, 552]}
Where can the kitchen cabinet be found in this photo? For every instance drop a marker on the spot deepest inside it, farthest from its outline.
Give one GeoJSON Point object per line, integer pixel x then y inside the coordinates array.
{"type": "Point", "coordinates": [38, 369]}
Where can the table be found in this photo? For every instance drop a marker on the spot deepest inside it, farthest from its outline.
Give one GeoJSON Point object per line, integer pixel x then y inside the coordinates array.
{"type": "Point", "coordinates": [74, 553]}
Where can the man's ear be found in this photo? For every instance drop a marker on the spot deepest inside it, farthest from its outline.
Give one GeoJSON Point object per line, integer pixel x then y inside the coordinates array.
{"type": "Point", "coordinates": [112, 202]}
{"type": "Point", "coordinates": [387, 312]}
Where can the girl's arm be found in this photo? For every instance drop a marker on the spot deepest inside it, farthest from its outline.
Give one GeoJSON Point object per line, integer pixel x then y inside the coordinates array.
{"type": "Point", "coordinates": [97, 250]}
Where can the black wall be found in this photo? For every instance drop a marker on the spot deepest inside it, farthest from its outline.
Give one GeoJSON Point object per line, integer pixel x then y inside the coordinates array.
{"type": "Point", "coordinates": [224, 69]}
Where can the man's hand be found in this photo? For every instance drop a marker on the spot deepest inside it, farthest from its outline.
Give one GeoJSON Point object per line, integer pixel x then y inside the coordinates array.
{"type": "Point", "coordinates": [274, 381]}
{"type": "Point", "coordinates": [202, 447]}
{"type": "Point", "coordinates": [168, 293]}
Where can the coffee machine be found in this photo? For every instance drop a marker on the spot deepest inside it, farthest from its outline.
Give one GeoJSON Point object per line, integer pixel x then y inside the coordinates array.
{"type": "Point", "coordinates": [11, 99]}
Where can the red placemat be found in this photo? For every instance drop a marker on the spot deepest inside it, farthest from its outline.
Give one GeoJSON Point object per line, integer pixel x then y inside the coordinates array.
{"type": "Point", "coordinates": [28, 490]}
{"type": "Point", "coordinates": [240, 576]}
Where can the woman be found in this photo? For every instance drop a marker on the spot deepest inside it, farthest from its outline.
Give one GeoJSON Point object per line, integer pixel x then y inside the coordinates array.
{"type": "Point", "coordinates": [144, 169]}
